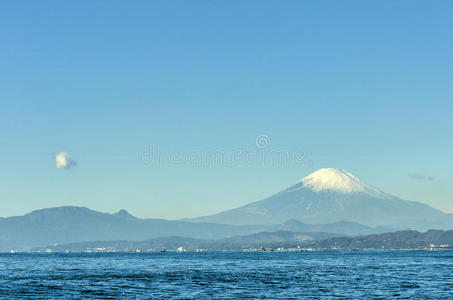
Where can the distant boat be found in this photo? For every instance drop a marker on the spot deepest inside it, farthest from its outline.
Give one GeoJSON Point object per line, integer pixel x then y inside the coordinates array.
{"type": "Point", "coordinates": [262, 249]}
{"type": "Point", "coordinates": [180, 249]}
{"type": "Point", "coordinates": [163, 250]}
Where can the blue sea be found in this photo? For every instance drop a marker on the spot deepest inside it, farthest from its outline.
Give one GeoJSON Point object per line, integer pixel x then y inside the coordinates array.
{"type": "Point", "coordinates": [228, 275]}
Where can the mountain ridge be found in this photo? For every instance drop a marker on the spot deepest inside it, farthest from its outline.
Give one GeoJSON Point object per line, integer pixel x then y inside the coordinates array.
{"type": "Point", "coordinates": [69, 224]}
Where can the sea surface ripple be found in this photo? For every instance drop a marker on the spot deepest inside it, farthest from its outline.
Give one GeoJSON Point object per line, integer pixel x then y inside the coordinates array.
{"type": "Point", "coordinates": [226, 275]}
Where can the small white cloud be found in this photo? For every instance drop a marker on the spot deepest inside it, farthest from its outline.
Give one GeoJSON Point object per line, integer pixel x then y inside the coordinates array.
{"type": "Point", "coordinates": [420, 176]}
{"type": "Point", "coordinates": [63, 161]}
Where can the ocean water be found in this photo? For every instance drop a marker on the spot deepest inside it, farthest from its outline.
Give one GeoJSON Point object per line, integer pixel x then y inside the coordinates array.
{"type": "Point", "coordinates": [274, 275]}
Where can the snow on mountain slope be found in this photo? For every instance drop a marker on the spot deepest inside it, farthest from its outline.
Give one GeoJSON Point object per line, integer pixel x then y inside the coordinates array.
{"type": "Point", "coordinates": [337, 180]}
{"type": "Point", "coordinates": [333, 179]}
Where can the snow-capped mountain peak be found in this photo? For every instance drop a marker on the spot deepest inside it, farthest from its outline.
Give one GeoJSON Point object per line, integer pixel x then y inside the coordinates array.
{"type": "Point", "coordinates": [333, 179]}
{"type": "Point", "coordinates": [334, 195]}
{"type": "Point", "coordinates": [337, 180]}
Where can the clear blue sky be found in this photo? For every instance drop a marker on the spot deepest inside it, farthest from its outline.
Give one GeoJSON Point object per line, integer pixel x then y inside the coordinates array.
{"type": "Point", "coordinates": [366, 86]}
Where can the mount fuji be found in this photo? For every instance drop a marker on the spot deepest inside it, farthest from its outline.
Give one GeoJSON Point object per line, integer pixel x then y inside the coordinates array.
{"type": "Point", "coordinates": [332, 195]}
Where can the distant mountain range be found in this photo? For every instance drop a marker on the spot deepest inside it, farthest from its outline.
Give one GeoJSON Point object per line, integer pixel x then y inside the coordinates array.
{"type": "Point", "coordinates": [76, 224]}
{"type": "Point", "coordinates": [333, 195]}
{"type": "Point", "coordinates": [328, 201]}
{"type": "Point", "coordinates": [409, 239]}
{"type": "Point", "coordinates": [71, 224]}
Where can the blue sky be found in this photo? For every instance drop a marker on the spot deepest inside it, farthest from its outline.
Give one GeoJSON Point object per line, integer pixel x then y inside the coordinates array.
{"type": "Point", "coordinates": [365, 86]}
